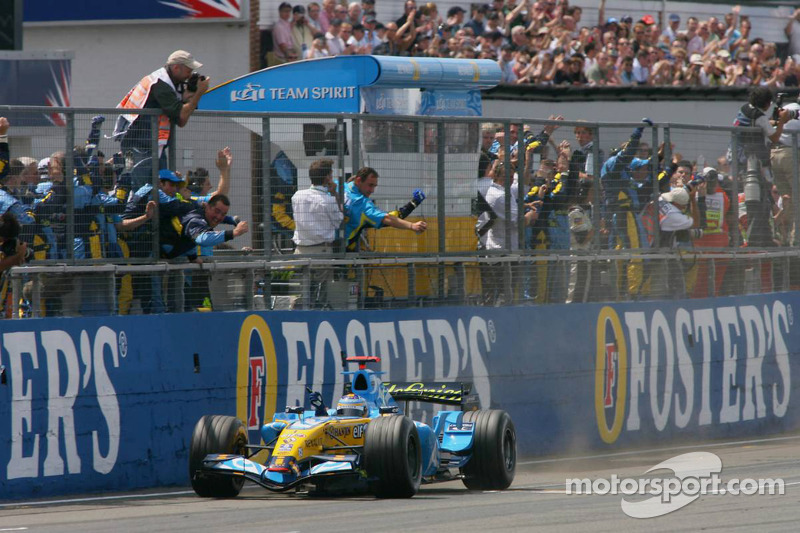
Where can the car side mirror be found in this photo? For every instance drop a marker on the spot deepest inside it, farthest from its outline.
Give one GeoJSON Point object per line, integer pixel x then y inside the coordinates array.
{"type": "Point", "coordinates": [298, 410]}
{"type": "Point", "coordinates": [388, 409]}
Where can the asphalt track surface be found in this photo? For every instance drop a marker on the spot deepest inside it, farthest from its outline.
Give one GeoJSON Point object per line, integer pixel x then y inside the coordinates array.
{"type": "Point", "coordinates": [537, 501]}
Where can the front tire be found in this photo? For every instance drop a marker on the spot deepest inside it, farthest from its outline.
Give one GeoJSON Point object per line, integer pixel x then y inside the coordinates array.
{"type": "Point", "coordinates": [494, 451]}
{"type": "Point", "coordinates": [393, 456]}
{"type": "Point", "coordinates": [216, 434]}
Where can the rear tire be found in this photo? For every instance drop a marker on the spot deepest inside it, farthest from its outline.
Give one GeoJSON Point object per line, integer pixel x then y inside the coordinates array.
{"type": "Point", "coordinates": [393, 456]}
{"type": "Point", "coordinates": [216, 434]}
{"type": "Point", "coordinates": [494, 451]}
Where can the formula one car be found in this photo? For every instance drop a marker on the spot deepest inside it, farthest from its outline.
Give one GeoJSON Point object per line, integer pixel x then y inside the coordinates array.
{"type": "Point", "coordinates": [365, 444]}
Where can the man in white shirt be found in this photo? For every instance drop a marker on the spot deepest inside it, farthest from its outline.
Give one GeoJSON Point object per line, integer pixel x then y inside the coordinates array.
{"type": "Point", "coordinates": [671, 31]}
{"type": "Point", "coordinates": [336, 45]}
{"type": "Point", "coordinates": [641, 67]}
{"type": "Point", "coordinates": [317, 215]}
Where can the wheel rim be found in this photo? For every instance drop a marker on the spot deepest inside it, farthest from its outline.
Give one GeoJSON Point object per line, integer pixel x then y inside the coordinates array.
{"type": "Point", "coordinates": [412, 458]}
{"type": "Point", "coordinates": [509, 450]}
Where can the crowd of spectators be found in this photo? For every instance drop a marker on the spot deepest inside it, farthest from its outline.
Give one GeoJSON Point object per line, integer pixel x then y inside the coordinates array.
{"type": "Point", "coordinates": [547, 42]}
{"type": "Point", "coordinates": [635, 198]}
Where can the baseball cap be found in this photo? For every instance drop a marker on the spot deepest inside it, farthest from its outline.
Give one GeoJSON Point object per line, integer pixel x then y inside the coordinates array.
{"type": "Point", "coordinates": [626, 19]}
{"type": "Point", "coordinates": [370, 19]}
{"type": "Point", "coordinates": [724, 54]}
{"type": "Point", "coordinates": [168, 175]}
{"type": "Point", "coordinates": [612, 20]}
{"type": "Point", "coordinates": [678, 196]}
{"type": "Point", "coordinates": [696, 59]}
{"type": "Point", "coordinates": [710, 172]}
{"type": "Point", "coordinates": [284, 5]}
{"type": "Point", "coordinates": [182, 57]}
{"type": "Point", "coordinates": [674, 17]}
{"type": "Point", "coordinates": [648, 20]}
{"type": "Point", "coordinates": [299, 9]}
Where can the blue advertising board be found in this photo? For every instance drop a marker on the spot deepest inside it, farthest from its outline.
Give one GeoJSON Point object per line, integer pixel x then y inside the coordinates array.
{"type": "Point", "coordinates": [108, 403]}
{"type": "Point", "coordinates": [59, 11]}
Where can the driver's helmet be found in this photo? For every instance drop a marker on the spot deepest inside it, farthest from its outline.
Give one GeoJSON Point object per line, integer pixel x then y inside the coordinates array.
{"type": "Point", "coordinates": [352, 405]}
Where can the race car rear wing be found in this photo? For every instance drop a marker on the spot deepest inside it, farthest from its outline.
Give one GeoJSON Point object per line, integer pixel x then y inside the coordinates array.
{"type": "Point", "coordinates": [459, 394]}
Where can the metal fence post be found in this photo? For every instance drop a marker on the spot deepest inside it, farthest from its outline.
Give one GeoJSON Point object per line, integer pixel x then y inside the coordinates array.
{"type": "Point", "coordinates": [440, 187]}
{"type": "Point", "coordinates": [154, 162]}
{"type": "Point", "coordinates": [735, 190]}
{"type": "Point", "coordinates": [340, 192]}
{"type": "Point", "coordinates": [654, 170]}
{"type": "Point", "coordinates": [266, 188]}
{"type": "Point", "coordinates": [69, 183]}
{"type": "Point", "coordinates": [441, 221]}
{"type": "Point", "coordinates": [521, 187]}
{"type": "Point", "coordinates": [597, 185]}
{"type": "Point", "coordinates": [172, 148]}
{"type": "Point", "coordinates": [795, 189]}
{"type": "Point", "coordinates": [355, 144]}
{"type": "Point", "coordinates": [507, 187]}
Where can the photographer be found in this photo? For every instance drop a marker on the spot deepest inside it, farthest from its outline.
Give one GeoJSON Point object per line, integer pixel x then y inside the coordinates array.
{"type": "Point", "coordinates": [175, 89]}
{"type": "Point", "coordinates": [782, 155]}
{"type": "Point", "coordinates": [755, 145]}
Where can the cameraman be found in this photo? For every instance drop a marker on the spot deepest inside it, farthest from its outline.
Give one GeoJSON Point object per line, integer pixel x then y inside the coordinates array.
{"type": "Point", "coordinates": [756, 144]}
{"type": "Point", "coordinates": [175, 89]}
{"type": "Point", "coordinates": [781, 155]}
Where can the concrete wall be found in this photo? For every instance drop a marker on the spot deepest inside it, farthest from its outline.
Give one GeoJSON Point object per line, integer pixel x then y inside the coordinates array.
{"type": "Point", "coordinates": [111, 58]}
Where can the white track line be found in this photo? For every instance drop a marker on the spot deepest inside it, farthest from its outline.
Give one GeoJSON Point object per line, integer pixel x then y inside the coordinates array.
{"type": "Point", "coordinates": [96, 499]}
{"type": "Point", "coordinates": [651, 450]}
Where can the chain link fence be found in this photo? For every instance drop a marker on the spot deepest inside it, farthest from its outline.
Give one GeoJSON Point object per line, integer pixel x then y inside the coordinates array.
{"type": "Point", "coordinates": [464, 211]}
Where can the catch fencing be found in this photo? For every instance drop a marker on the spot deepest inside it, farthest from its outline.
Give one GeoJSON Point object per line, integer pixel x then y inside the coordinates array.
{"type": "Point", "coordinates": [615, 253]}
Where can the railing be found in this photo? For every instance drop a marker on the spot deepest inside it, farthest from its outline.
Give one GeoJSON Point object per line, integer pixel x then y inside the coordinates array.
{"type": "Point", "coordinates": [446, 264]}
{"type": "Point", "coordinates": [382, 282]}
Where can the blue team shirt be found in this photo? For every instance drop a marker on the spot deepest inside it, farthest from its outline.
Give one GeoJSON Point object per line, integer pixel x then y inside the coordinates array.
{"type": "Point", "coordinates": [360, 213]}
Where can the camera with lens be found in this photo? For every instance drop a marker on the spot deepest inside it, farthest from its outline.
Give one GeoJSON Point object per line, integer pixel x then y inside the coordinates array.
{"type": "Point", "coordinates": [779, 100]}
{"type": "Point", "coordinates": [191, 83]}
{"type": "Point", "coordinates": [695, 182]}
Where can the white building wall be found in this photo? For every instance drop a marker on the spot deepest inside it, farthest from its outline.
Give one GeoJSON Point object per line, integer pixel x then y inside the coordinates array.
{"type": "Point", "coordinates": [111, 58]}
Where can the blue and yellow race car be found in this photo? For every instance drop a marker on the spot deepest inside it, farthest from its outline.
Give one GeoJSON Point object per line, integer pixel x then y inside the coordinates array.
{"type": "Point", "coordinates": [364, 444]}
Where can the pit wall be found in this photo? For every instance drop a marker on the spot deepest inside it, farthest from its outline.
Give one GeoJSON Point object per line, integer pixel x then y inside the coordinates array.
{"type": "Point", "coordinates": [92, 404]}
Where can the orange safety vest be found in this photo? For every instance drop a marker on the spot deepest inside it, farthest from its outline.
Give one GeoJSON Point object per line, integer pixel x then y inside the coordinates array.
{"type": "Point", "coordinates": [136, 99]}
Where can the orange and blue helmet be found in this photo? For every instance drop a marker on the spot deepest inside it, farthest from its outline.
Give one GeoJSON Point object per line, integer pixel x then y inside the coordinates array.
{"type": "Point", "coordinates": [352, 405]}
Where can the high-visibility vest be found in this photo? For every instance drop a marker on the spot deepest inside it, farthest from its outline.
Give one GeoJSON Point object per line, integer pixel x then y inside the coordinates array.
{"type": "Point", "coordinates": [136, 99]}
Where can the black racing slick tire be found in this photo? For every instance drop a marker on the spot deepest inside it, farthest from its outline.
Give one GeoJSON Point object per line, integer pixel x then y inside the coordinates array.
{"type": "Point", "coordinates": [216, 434]}
{"type": "Point", "coordinates": [393, 456]}
{"type": "Point", "coordinates": [494, 451]}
